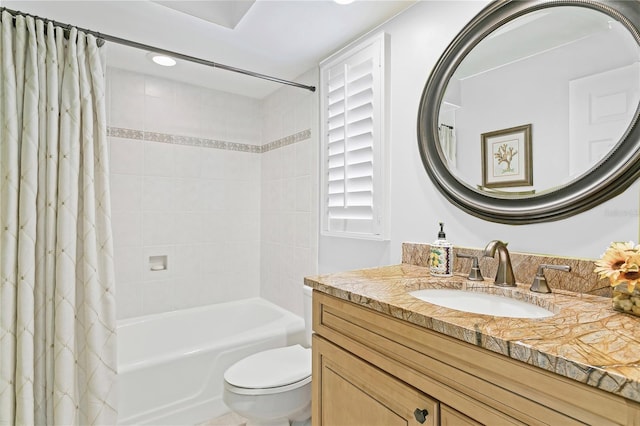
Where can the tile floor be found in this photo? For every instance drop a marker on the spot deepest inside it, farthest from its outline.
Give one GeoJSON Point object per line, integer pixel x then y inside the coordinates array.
{"type": "Point", "coordinates": [230, 419]}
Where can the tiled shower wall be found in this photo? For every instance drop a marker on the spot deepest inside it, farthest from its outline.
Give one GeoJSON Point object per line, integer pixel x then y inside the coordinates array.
{"type": "Point", "coordinates": [187, 181]}
{"type": "Point", "coordinates": [289, 230]}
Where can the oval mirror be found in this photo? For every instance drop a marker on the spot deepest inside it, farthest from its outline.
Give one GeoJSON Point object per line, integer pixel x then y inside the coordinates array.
{"type": "Point", "coordinates": [531, 113]}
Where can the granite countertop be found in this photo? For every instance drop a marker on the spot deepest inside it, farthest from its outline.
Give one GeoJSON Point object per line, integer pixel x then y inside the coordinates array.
{"type": "Point", "coordinates": [585, 340]}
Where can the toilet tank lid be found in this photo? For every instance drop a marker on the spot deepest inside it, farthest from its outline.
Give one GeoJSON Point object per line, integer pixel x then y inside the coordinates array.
{"type": "Point", "coordinates": [271, 368]}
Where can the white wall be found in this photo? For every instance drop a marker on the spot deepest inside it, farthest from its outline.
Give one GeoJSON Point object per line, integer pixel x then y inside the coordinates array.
{"type": "Point", "coordinates": [418, 38]}
{"type": "Point", "coordinates": [200, 206]}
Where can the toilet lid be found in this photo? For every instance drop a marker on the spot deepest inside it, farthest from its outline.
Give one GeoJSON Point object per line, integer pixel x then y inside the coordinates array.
{"type": "Point", "coordinates": [271, 368]}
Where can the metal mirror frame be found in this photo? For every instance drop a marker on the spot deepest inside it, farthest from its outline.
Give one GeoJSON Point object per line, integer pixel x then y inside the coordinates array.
{"type": "Point", "coordinates": [607, 179]}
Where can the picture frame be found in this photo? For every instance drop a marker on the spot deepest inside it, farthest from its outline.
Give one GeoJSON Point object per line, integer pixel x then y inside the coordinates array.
{"type": "Point", "coordinates": [506, 157]}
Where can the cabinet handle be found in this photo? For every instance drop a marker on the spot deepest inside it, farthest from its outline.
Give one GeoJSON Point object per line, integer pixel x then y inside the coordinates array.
{"type": "Point", "coordinates": [421, 415]}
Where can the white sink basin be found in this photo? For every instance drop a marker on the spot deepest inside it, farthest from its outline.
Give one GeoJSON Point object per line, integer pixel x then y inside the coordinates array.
{"type": "Point", "coordinates": [481, 303]}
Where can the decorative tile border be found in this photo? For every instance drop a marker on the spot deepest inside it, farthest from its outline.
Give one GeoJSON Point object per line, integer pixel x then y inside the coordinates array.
{"type": "Point", "coordinates": [207, 143]}
{"type": "Point", "coordinates": [288, 140]}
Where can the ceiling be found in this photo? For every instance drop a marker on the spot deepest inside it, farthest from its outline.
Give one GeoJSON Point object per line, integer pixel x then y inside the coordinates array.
{"type": "Point", "coordinates": [533, 34]}
{"type": "Point", "coordinates": [279, 38]}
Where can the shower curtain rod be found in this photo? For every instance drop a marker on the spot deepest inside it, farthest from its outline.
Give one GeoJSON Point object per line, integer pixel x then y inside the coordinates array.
{"type": "Point", "coordinates": [135, 44]}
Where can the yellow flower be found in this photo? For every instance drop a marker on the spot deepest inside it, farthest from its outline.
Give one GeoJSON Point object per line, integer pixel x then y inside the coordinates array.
{"type": "Point", "coordinates": [631, 272]}
{"type": "Point", "coordinates": [621, 264]}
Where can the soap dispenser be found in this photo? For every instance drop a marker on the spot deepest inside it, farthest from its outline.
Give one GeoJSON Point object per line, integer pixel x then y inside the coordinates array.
{"type": "Point", "coordinates": [441, 256]}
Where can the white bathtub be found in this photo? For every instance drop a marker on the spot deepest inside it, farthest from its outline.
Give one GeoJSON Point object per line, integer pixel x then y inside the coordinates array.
{"type": "Point", "coordinates": [171, 365]}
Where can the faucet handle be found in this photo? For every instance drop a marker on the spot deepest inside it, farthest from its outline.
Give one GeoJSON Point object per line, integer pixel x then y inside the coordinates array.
{"type": "Point", "coordinates": [474, 273]}
{"type": "Point", "coordinates": [540, 281]}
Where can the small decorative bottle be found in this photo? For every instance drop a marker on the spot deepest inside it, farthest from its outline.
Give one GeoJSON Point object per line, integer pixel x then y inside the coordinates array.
{"type": "Point", "coordinates": [441, 256]}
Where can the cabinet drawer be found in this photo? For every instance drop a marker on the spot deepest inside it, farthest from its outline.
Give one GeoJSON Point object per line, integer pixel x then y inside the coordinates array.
{"type": "Point", "coordinates": [350, 391]}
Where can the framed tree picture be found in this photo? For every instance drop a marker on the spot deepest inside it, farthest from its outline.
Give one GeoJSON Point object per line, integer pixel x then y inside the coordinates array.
{"type": "Point", "coordinates": [506, 157]}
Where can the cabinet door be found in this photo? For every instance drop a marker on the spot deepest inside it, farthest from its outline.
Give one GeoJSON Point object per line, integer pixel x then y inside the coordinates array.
{"type": "Point", "coordinates": [451, 417]}
{"type": "Point", "coordinates": [349, 391]}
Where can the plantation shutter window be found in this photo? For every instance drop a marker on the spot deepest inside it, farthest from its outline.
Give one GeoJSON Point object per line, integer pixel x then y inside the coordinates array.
{"type": "Point", "coordinates": [353, 170]}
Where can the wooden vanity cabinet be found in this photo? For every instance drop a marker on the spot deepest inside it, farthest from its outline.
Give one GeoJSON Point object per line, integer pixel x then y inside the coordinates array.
{"type": "Point", "coordinates": [370, 368]}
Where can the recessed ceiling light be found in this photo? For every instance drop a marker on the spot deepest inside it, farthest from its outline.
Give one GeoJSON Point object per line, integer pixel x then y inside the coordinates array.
{"type": "Point", "coordinates": [343, 1]}
{"type": "Point", "coordinates": [164, 60]}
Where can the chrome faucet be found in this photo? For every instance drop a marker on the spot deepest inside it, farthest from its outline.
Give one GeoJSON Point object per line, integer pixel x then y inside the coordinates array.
{"type": "Point", "coordinates": [504, 274]}
{"type": "Point", "coordinates": [540, 284]}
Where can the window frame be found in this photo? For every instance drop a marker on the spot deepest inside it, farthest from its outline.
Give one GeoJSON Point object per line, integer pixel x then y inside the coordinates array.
{"type": "Point", "coordinates": [376, 49]}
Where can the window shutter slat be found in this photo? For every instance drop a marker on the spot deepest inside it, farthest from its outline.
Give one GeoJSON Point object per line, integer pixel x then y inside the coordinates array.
{"type": "Point", "coordinates": [361, 140]}
{"type": "Point", "coordinates": [336, 162]}
{"type": "Point", "coordinates": [336, 111]}
{"type": "Point", "coordinates": [362, 112]}
{"type": "Point", "coordinates": [358, 170]}
{"type": "Point", "coordinates": [336, 133]}
{"type": "Point", "coordinates": [336, 148]}
{"type": "Point", "coordinates": [336, 172]}
{"type": "Point", "coordinates": [361, 87]}
{"type": "Point", "coordinates": [360, 156]}
{"type": "Point", "coordinates": [361, 184]}
{"type": "Point", "coordinates": [361, 69]}
{"type": "Point", "coordinates": [360, 126]}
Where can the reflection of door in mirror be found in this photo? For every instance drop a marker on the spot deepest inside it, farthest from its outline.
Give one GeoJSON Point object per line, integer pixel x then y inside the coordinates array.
{"type": "Point", "coordinates": [601, 106]}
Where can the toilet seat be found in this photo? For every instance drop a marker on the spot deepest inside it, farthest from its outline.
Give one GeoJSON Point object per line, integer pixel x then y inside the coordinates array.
{"type": "Point", "coordinates": [266, 391]}
{"type": "Point", "coordinates": [271, 371]}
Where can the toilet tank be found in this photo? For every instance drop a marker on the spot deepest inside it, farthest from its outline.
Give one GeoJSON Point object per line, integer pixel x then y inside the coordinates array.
{"type": "Point", "coordinates": [307, 293]}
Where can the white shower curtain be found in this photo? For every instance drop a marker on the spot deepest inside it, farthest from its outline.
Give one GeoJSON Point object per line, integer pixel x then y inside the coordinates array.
{"type": "Point", "coordinates": [447, 137]}
{"type": "Point", "coordinates": [57, 304]}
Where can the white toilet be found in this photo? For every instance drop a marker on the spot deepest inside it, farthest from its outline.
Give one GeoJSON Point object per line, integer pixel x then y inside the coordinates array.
{"type": "Point", "coordinates": [273, 387]}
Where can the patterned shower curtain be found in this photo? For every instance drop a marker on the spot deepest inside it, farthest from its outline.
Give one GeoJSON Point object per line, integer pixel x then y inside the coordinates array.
{"type": "Point", "coordinates": [57, 304]}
